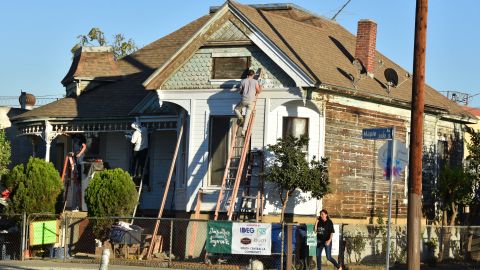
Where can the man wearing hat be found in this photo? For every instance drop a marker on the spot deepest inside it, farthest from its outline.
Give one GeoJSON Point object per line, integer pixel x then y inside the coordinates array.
{"type": "Point", "coordinates": [140, 141]}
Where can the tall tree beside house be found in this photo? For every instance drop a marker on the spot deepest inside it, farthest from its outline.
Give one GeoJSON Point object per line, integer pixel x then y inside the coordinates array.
{"type": "Point", "coordinates": [5, 153]}
{"type": "Point", "coordinates": [454, 190]}
{"type": "Point", "coordinates": [35, 187]}
{"type": "Point", "coordinates": [473, 168]}
{"type": "Point", "coordinates": [111, 193]}
{"type": "Point", "coordinates": [290, 170]}
{"type": "Point", "coordinates": [473, 172]}
{"type": "Point", "coordinates": [96, 37]}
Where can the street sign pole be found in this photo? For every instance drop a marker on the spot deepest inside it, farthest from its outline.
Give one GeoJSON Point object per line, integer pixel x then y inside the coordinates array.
{"type": "Point", "coordinates": [385, 155]}
{"type": "Point", "coordinates": [391, 178]}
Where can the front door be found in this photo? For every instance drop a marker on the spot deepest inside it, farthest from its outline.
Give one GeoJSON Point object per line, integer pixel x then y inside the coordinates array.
{"type": "Point", "coordinates": [219, 146]}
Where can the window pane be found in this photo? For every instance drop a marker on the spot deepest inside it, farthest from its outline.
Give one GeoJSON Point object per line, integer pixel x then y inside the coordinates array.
{"type": "Point", "coordinates": [295, 127]}
{"type": "Point", "coordinates": [230, 67]}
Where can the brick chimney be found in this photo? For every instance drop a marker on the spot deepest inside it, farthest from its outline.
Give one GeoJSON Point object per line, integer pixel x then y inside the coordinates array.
{"type": "Point", "coordinates": [365, 46]}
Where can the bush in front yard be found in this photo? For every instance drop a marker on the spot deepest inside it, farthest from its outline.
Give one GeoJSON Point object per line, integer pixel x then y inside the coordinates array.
{"type": "Point", "coordinates": [110, 193]}
{"type": "Point", "coordinates": [35, 188]}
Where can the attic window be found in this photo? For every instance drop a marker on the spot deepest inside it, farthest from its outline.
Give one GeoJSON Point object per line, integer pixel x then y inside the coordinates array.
{"type": "Point", "coordinates": [228, 68]}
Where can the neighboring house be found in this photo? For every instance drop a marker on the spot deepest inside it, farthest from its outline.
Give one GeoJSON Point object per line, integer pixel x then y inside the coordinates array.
{"type": "Point", "coordinates": [312, 86]}
{"type": "Point", "coordinates": [20, 147]}
{"type": "Point", "coordinates": [476, 126]}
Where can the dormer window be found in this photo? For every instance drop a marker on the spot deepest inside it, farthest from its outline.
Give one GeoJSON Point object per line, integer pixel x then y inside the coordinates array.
{"type": "Point", "coordinates": [230, 68]}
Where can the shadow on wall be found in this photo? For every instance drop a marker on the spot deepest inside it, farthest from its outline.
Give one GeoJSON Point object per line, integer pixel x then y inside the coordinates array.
{"type": "Point", "coordinates": [446, 152]}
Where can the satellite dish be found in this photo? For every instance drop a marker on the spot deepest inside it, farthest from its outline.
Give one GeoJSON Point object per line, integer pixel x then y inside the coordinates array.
{"type": "Point", "coordinates": [391, 76]}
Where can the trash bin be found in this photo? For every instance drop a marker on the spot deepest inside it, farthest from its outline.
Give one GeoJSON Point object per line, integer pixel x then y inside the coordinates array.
{"type": "Point", "coordinates": [122, 235]}
{"type": "Point", "coordinates": [277, 238]}
{"type": "Point", "coordinates": [277, 242]}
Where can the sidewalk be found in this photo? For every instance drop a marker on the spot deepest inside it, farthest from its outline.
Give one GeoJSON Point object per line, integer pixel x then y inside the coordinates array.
{"type": "Point", "coordinates": [53, 265]}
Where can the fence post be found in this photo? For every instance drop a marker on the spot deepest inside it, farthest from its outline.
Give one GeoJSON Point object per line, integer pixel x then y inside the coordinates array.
{"type": "Point", "coordinates": [170, 246]}
{"type": "Point", "coordinates": [282, 232]}
{"type": "Point", "coordinates": [289, 246]}
{"type": "Point", "coordinates": [65, 230]}
{"type": "Point", "coordinates": [22, 248]}
{"type": "Point", "coordinates": [341, 246]}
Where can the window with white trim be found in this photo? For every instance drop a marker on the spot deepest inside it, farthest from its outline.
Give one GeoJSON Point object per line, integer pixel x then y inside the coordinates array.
{"type": "Point", "coordinates": [296, 127]}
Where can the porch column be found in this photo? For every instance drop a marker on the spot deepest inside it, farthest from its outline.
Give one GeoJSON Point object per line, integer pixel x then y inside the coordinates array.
{"type": "Point", "coordinates": [48, 135]}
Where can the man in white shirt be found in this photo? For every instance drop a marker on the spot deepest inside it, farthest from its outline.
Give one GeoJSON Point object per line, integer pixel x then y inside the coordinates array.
{"type": "Point", "coordinates": [140, 141]}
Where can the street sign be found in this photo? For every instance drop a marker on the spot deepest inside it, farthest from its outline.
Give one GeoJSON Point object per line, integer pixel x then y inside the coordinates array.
{"type": "Point", "coordinates": [391, 169]}
{"type": "Point", "coordinates": [377, 133]}
{"type": "Point", "coordinates": [400, 158]}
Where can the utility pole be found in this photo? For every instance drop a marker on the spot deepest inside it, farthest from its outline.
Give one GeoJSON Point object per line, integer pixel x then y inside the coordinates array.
{"type": "Point", "coordinates": [416, 138]}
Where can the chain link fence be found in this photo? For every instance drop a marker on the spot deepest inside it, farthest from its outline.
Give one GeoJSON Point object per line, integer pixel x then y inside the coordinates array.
{"type": "Point", "coordinates": [181, 243]}
{"type": "Point", "coordinates": [367, 244]}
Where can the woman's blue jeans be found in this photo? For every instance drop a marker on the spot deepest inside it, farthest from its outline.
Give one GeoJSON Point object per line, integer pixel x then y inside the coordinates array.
{"type": "Point", "coordinates": [328, 253]}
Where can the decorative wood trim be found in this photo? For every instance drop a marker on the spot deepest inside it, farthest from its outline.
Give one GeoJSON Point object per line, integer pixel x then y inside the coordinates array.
{"type": "Point", "coordinates": [59, 127]}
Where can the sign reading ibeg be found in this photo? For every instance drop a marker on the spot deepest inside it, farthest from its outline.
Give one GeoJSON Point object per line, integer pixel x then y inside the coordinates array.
{"type": "Point", "coordinates": [239, 238]}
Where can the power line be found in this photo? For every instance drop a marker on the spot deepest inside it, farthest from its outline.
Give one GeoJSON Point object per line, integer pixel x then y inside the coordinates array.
{"type": "Point", "coordinates": [338, 12]}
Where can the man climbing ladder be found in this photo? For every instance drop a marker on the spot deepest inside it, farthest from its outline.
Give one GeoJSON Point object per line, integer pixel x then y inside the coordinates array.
{"type": "Point", "coordinates": [249, 89]}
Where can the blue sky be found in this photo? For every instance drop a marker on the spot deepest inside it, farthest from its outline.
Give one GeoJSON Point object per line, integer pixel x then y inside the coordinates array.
{"type": "Point", "coordinates": [36, 36]}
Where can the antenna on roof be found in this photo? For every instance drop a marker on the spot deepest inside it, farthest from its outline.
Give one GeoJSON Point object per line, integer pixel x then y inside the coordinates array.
{"type": "Point", "coordinates": [459, 97]}
{"type": "Point", "coordinates": [338, 12]}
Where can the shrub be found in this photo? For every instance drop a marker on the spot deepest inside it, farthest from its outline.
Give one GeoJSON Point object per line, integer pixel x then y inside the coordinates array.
{"type": "Point", "coordinates": [36, 187]}
{"type": "Point", "coordinates": [4, 153]}
{"type": "Point", "coordinates": [355, 243]}
{"type": "Point", "coordinates": [110, 193]}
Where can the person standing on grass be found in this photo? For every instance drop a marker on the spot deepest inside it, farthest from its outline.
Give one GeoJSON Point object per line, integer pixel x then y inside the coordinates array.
{"type": "Point", "coordinates": [325, 231]}
{"type": "Point", "coordinates": [249, 89]}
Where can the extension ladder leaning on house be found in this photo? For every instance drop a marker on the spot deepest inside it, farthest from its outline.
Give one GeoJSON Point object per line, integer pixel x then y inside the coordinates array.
{"type": "Point", "coordinates": [234, 169]}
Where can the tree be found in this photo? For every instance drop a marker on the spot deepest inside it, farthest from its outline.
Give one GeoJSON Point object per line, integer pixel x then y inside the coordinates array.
{"type": "Point", "coordinates": [473, 167]}
{"type": "Point", "coordinates": [96, 37]}
{"type": "Point", "coordinates": [473, 172]}
{"type": "Point", "coordinates": [111, 193]}
{"type": "Point", "coordinates": [454, 189]}
{"type": "Point", "coordinates": [35, 188]}
{"type": "Point", "coordinates": [5, 153]}
{"type": "Point", "coordinates": [290, 170]}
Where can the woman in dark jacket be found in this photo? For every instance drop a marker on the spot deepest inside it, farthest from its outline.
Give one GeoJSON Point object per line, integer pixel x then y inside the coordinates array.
{"type": "Point", "coordinates": [324, 229]}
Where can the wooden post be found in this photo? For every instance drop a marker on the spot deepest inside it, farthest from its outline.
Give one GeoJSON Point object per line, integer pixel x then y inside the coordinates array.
{"type": "Point", "coordinates": [289, 246]}
{"type": "Point", "coordinates": [165, 193]}
{"type": "Point", "coordinates": [416, 139]}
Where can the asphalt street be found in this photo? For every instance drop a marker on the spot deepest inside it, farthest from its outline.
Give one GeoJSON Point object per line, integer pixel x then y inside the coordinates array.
{"type": "Point", "coordinates": [53, 265]}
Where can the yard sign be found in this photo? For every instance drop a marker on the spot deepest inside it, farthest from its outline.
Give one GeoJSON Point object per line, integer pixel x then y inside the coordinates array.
{"type": "Point", "coordinates": [43, 232]}
{"type": "Point", "coordinates": [239, 238]}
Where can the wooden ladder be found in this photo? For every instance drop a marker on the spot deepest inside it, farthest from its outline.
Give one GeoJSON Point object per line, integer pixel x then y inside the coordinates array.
{"type": "Point", "coordinates": [69, 160]}
{"type": "Point", "coordinates": [252, 199]}
{"type": "Point", "coordinates": [140, 184]}
{"type": "Point", "coordinates": [234, 168]}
